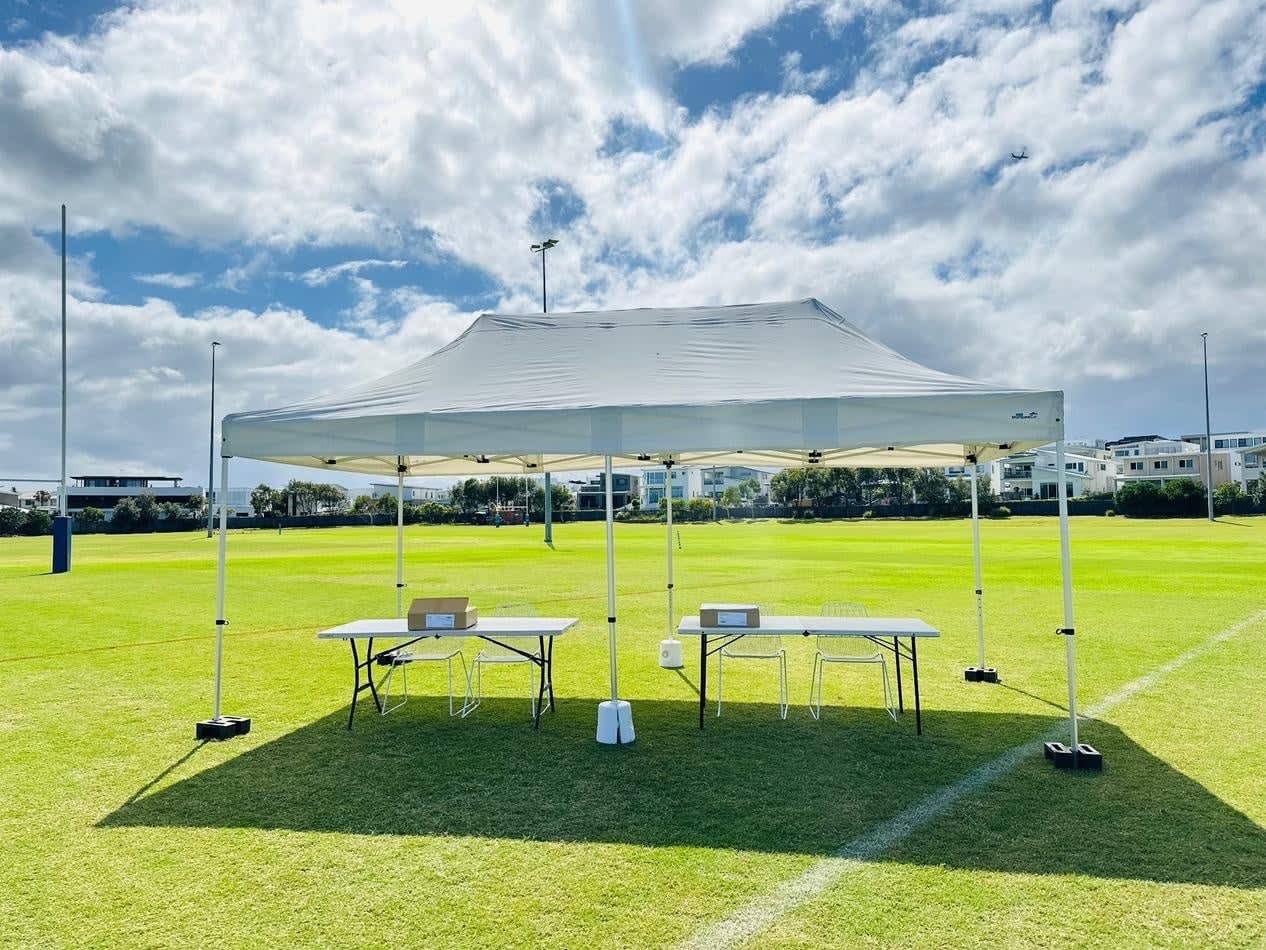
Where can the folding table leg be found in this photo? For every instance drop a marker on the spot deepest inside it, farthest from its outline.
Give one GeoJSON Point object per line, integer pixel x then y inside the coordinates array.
{"type": "Point", "coordinates": [703, 676]}
{"type": "Point", "coordinates": [918, 710]}
{"type": "Point", "coordinates": [549, 673]}
{"type": "Point", "coordinates": [351, 713]}
{"type": "Point", "coordinates": [369, 674]}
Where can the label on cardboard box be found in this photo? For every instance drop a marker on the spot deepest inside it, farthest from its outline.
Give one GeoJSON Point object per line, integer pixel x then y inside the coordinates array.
{"type": "Point", "coordinates": [441, 621]}
{"type": "Point", "coordinates": [731, 618]}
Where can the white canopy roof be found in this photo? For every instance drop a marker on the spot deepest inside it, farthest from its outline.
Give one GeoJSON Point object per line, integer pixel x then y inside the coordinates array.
{"type": "Point", "coordinates": [780, 384]}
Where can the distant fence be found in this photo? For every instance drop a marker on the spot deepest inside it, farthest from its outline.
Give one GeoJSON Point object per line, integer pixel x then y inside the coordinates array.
{"type": "Point", "coordinates": [1043, 507]}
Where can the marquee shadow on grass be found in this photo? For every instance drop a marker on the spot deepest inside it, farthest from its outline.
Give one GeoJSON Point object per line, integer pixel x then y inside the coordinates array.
{"type": "Point", "coordinates": [750, 781]}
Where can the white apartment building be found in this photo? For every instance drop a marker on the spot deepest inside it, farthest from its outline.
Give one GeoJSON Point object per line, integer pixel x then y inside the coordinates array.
{"type": "Point", "coordinates": [1254, 463]}
{"type": "Point", "coordinates": [103, 492]}
{"type": "Point", "coordinates": [687, 484]}
{"type": "Point", "coordinates": [1157, 459]}
{"type": "Point", "coordinates": [417, 494]}
{"type": "Point", "coordinates": [1088, 468]}
{"type": "Point", "coordinates": [716, 479]}
{"type": "Point", "coordinates": [237, 499]}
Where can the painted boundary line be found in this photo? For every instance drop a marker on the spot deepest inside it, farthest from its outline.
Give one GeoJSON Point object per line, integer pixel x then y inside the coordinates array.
{"type": "Point", "coordinates": [751, 919]}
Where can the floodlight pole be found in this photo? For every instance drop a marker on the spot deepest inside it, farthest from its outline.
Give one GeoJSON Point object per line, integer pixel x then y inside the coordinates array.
{"type": "Point", "coordinates": [549, 496]}
{"type": "Point", "coordinates": [1208, 429]}
{"type": "Point", "coordinates": [211, 446]}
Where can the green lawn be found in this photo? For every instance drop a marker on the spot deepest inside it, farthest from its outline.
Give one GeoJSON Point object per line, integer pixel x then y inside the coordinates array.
{"type": "Point", "coordinates": [417, 830]}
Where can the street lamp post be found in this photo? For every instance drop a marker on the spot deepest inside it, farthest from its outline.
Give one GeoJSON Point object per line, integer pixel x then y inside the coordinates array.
{"type": "Point", "coordinates": [549, 498]}
{"type": "Point", "coordinates": [211, 445]}
{"type": "Point", "coordinates": [1208, 429]}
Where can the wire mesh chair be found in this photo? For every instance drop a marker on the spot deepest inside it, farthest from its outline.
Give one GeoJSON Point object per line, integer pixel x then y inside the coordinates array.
{"type": "Point", "coordinates": [755, 648]}
{"type": "Point", "coordinates": [834, 650]}
{"type": "Point", "coordinates": [494, 654]}
{"type": "Point", "coordinates": [431, 650]}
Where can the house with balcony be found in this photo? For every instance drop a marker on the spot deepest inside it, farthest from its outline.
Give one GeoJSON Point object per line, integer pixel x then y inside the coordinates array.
{"type": "Point", "coordinates": [1157, 459]}
{"type": "Point", "coordinates": [592, 495]}
{"type": "Point", "coordinates": [687, 484]}
{"type": "Point", "coordinates": [716, 479]}
{"type": "Point", "coordinates": [1253, 463]}
{"type": "Point", "coordinates": [105, 491]}
{"type": "Point", "coordinates": [413, 494]}
{"type": "Point", "coordinates": [1088, 469]}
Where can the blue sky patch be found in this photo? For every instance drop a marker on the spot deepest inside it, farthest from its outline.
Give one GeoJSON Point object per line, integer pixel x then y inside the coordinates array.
{"type": "Point", "coordinates": [799, 52]}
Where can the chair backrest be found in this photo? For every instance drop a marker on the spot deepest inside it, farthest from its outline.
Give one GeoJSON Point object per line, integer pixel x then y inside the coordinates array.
{"type": "Point", "coordinates": [508, 610]}
{"type": "Point", "coordinates": [843, 608]}
{"type": "Point", "coordinates": [514, 610]}
{"type": "Point", "coordinates": [844, 645]}
{"type": "Point", "coordinates": [756, 646]}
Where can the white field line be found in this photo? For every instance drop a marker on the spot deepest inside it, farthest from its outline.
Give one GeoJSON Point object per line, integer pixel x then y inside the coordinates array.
{"type": "Point", "coordinates": [750, 920]}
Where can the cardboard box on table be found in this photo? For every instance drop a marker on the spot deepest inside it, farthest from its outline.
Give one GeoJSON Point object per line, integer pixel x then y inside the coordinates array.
{"type": "Point", "coordinates": [442, 613]}
{"type": "Point", "coordinates": [741, 616]}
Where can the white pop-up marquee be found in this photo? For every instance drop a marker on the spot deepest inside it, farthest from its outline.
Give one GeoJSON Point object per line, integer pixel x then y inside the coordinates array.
{"type": "Point", "coordinates": [784, 384]}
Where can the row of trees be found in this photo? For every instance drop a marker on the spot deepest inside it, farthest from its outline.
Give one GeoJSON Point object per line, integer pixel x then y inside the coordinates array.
{"type": "Point", "coordinates": [814, 486]}
{"type": "Point", "coordinates": [1185, 496]}
{"type": "Point", "coordinates": [299, 498]}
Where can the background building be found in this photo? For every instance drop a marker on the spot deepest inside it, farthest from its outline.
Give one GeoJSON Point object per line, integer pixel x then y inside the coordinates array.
{"type": "Point", "coordinates": [1251, 463]}
{"type": "Point", "coordinates": [417, 494]}
{"type": "Point", "coordinates": [592, 494]}
{"type": "Point", "coordinates": [716, 479]}
{"type": "Point", "coordinates": [105, 491]}
{"type": "Point", "coordinates": [1087, 469]}
{"type": "Point", "coordinates": [687, 484]}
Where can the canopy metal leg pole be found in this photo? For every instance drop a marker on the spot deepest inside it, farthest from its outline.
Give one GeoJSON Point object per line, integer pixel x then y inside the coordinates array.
{"type": "Point", "coordinates": [979, 672]}
{"type": "Point", "coordinates": [549, 511]}
{"type": "Point", "coordinates": [670, 657]}
{"type": "Point", "coordinates": [220, 621]}
{"type": "Point", "coordinates": [399, 536]}
{"type": "Point", "coordinates": [221, 727]}
{"type": "Point", "coordinates": [615, 716]}
{"type": "Point", "coordinates": [1077, 755]}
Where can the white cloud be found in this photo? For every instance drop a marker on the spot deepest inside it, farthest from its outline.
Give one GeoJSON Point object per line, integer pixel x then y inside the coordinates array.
{"type": "Point", "coordinates": [320, 276]}
{"type": "Point", "coordinates": [175, 281]}
{"type": "Point", "coordinates": [1093, 265]}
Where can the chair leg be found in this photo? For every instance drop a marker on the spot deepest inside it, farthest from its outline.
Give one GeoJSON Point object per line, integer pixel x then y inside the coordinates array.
{"type": "Point", "coordinates": [466, 697]}
{"type": "Point", "coordinates": [815, 687]}
{"type": "Point", "coordinates": [782, 684]}
{"type": "Point", "coordinates": [448, 665]}
{"type": "Point", "coordinates": [532, 688]}
{"type": "Point", "coordinates": [479, 689]}
{"type": "Point", "coordinates": [386, 687]}
{"type": "Point", "coordinates": [720, 681]}
{"type": "Point", "coordinates": [892, 712]}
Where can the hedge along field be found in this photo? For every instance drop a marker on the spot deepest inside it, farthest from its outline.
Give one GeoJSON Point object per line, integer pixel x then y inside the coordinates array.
{"type": "Point", "coordinates": [419, 829]}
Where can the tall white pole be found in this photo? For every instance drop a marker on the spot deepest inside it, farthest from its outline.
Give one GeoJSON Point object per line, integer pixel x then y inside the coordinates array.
{"type": "Point", "coordinates": [668, 495]}
{"type": "Point", "coordinates": [1065, 556]}
{"type": "Point", "coordinates": [611, 645]}
{"type": "Point", "coordinates": [980, 593]}
{"type": "Point", "coordinates": [1208, 428]}
{"type": "Point", "coordinates": [211, 446]}
{"type": "Point", "coordinates": [220, 622]}
{"type": "Point", "coordinates": [62, 507]}
{"type": "Point", "coordinates": [399, 536]}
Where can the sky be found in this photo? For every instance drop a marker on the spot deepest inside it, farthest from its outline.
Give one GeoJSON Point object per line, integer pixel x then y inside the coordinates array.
{"type": "Point", "coordinates": [333, 192]}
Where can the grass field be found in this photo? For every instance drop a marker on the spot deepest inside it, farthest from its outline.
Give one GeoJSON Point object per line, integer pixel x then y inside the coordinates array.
{"type": "Point", "coordinates": [418, 830]}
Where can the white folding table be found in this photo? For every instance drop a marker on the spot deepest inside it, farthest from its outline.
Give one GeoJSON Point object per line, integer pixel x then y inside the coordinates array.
{"type": "Point", "coordinates": [884, 632]}
{"type": "Point", "coordinates": [496, 630]}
